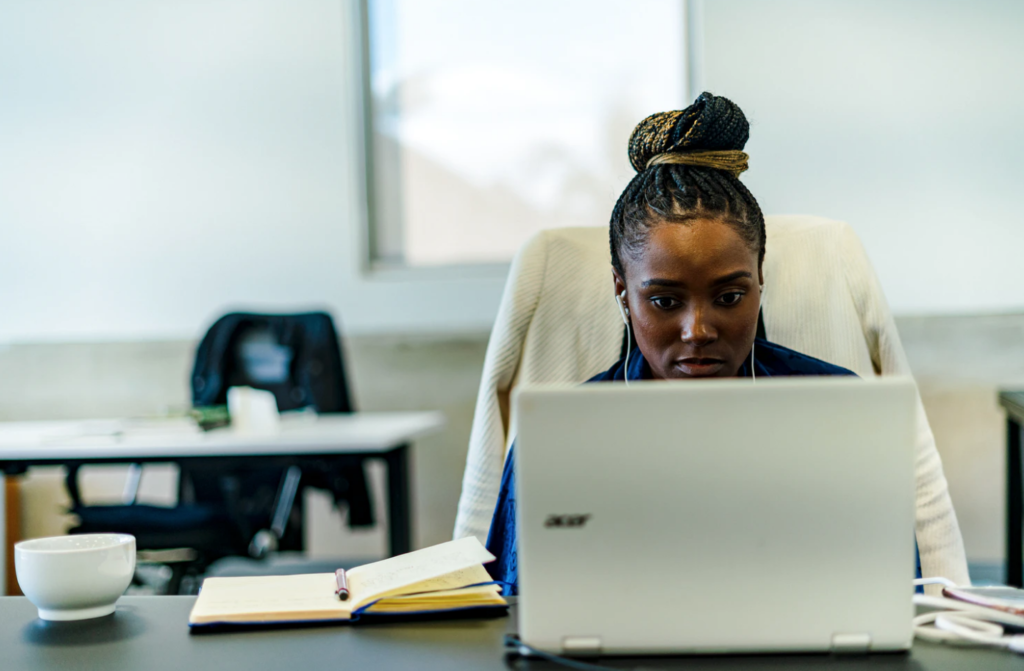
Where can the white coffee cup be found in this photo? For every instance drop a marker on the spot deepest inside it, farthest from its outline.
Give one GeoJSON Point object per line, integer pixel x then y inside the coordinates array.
{"type": "Point", "coordinates": [75, 577]}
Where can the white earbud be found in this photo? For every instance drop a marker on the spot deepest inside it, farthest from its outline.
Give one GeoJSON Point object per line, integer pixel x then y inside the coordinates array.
{"type": "Point", "coordinates": [753, 346]}
{"type": "Point", "coordinates": [620, 302]}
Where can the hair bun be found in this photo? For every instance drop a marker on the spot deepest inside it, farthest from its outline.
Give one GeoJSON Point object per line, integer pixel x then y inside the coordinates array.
{"type": "Point", "coordinates": [711, 123]}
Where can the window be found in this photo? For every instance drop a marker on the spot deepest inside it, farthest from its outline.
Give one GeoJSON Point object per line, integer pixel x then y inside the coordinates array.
{"type": "Point", "coordinates": [490, 121]}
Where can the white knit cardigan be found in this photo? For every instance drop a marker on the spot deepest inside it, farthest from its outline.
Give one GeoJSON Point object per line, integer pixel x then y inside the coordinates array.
{"type": "Point", "coordinates": [558, 323]}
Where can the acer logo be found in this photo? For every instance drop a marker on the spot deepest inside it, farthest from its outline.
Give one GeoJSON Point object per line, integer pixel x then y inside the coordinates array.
{"type": "Point", "coordinates": [564, 521]}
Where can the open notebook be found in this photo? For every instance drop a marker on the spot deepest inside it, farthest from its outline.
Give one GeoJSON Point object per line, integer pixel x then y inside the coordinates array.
{"type": "Point", "coordinates": [445, 577]}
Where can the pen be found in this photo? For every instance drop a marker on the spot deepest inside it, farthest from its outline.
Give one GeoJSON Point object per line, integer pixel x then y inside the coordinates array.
{"type": "Point", "coordinates": [342, 590]}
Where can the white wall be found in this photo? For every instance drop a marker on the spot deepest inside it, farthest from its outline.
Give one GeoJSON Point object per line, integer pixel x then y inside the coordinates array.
{"type": "Point", "coordinates": [164, 160]}
{"type": "Point", "coordinates": [903, 118]}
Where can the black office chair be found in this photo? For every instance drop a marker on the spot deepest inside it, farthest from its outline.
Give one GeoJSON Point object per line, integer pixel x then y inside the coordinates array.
{"type": "Point", "coordinates": [225, 509]}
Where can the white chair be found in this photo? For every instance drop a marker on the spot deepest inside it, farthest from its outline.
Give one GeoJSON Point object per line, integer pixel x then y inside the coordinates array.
{"type": "Point", "coordinates": [558, 323]}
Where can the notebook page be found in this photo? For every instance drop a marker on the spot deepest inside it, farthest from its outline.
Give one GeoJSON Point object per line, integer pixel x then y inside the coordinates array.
{"type": "Point", "coordinates": [467, 597]}
{"type": "Point", "coordinates": [309, 596]}
{"type": "Point", "coordinates": [464, 596]}
{"type": "Point", "coordinates": [397, 574]}
{"type": "Point", "coordinates": [474, 575]}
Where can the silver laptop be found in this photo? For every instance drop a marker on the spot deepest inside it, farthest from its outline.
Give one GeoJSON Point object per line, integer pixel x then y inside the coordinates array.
{"type": "Point", "coordinates": [716, 516]}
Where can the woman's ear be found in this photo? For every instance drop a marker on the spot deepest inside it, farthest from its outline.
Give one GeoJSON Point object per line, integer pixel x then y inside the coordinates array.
{"type": "Point", "coordinates": [620, 296]}
{"type": "Point", "coordinates": [620, 284]}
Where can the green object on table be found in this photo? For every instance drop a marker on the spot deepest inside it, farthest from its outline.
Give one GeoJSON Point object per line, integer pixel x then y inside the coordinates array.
{"type": "Point", "coordinates": [211, 416]}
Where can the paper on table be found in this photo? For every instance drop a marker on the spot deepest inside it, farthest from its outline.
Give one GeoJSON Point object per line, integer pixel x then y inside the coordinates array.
{"type": "Point", "coordinates": [399, 574]}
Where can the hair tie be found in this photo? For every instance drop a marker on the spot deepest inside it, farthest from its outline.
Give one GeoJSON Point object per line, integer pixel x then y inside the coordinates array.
{"type": "Point", "coordinates": [732, 161]}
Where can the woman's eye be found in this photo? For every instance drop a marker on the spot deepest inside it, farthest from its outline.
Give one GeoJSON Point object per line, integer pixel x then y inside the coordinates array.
{"type": "Point", "coordinates": [665, 302]}
{"type": "Point", "coordinates": [731, 298]}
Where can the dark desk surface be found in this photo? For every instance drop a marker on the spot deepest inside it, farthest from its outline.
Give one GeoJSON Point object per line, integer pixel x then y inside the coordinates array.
{"type": "Point", "coordinates": [151, 634]}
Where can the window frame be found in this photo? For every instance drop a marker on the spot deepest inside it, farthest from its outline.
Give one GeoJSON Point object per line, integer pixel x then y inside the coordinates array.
{"type": "Point", "coordinates": [370, 264]}
{"type": "Point", "coordinates": [377, 268]}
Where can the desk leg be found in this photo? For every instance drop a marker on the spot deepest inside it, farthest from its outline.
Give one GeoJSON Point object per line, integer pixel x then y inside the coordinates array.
{"type": "Point", "coordinates": [399, 514]}
{"type": "Point", "coordinates": [1014, 506]}
{"type": "Point", "coordinates": [5, 563]}
{"type": "Point", "coordinates": [11, 531]}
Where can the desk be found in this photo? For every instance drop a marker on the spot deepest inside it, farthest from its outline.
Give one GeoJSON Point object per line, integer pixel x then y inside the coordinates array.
{"type": "Point", "coordinates": [384, 436]}
{"type": "Point", "coordinates": [1013, 403]}
{"type": "Point", "coordinates": [151, 633]}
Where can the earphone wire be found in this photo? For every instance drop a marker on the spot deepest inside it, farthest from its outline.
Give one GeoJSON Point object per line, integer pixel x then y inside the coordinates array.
{"type": "Point", "coordinates": [753, 345]}
{"type": "Point", "coordinates": [620, 303]}
{"type": "Point", "coordinates": [629, 341]}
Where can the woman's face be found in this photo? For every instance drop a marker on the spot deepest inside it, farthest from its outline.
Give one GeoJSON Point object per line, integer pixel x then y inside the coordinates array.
{"type": "Point", "coordinates": [693, 295]}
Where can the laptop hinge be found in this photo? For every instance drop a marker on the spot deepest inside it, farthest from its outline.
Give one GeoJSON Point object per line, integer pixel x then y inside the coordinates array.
{"type": "Point", "coordinates": [581, 646]}
{"type": "Point", "coordinates": [851, 644]}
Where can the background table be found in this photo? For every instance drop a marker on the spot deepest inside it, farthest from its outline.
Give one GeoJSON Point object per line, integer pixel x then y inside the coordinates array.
{"type": "Point", "coordinates": [1013, 403]}
{"type": "Point", "coordinates": [151, 633]}
{"type": "Point", "coordinates": [384, 435]}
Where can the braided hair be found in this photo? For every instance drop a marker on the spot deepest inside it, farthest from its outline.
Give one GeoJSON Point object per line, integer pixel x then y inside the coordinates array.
{"type": "Point", "coordinates": [687, 164]}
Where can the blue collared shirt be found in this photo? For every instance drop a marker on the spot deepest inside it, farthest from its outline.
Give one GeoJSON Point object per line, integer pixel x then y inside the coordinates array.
{"type": "Point", "coordinates": [771, 360]}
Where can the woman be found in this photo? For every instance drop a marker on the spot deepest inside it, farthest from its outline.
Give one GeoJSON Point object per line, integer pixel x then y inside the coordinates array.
{"type": "Point", "coordinates": [687, 247]}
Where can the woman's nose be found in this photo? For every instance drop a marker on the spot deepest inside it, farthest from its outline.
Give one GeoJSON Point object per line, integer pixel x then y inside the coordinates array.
{"type": "Point", "coordinates": [696, 329]}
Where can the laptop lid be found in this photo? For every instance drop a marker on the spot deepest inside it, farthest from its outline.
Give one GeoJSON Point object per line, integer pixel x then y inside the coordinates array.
{"type": "Point", "coordinates": [716, 516]}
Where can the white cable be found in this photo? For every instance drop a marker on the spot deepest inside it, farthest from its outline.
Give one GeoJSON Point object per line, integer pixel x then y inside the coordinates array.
{"type": "Point", "coordinates": [620, 303]}
{"type": "Point", "coordinates": [935, 580]}
{"type": "Point", "coordinates": [960, 623]}
{"type": "Point", "coordinates": [629, 340]}
{"type": "Point", "coordinates": [753, 345]}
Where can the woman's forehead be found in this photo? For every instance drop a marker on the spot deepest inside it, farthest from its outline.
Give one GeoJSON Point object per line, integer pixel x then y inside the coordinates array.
{"type": "Point", "coordinates": [694, 252]}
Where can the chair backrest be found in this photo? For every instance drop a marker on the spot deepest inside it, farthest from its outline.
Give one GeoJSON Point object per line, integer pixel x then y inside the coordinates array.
{"type": "Point", "coordinates": [297, 357]}
{"type": "Point", "coordinates": [558, 323]}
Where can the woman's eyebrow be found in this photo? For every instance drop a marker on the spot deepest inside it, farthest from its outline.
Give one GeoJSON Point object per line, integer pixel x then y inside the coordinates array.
{"type": "Point", "coordinates": [733, 276]}
{"type": "Point", "coordinates": [662, 283]}
{"type": "Point", "coordinates": [657, 281]}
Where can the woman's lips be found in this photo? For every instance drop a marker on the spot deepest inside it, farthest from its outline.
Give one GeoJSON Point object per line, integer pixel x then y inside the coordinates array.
{"type": "Point", "coordinates": [699, 367]}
